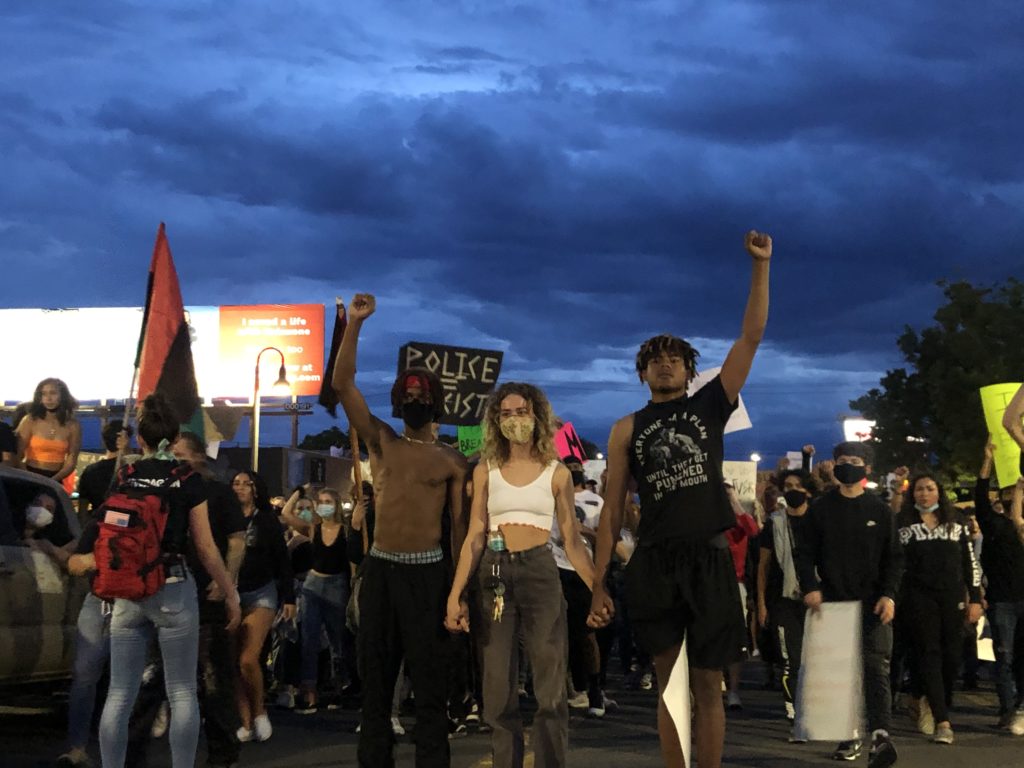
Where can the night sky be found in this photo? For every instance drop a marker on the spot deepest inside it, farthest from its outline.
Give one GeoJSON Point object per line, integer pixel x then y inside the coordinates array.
{"type": "Point", "coordinates": [557, 180]}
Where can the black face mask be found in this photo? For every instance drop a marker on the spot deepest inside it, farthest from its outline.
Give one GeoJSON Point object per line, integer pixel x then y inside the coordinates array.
{"type": "Point", "coordinates": [417, 414]}
{"type": "Point", "coordinates": [849, 474]}
{"type": "Point", "coordinates": [578, 478]}
{"type": "Point", "coordinates": [795, 499]}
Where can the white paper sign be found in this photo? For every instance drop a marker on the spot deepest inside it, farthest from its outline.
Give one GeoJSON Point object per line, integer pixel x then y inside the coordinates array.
{"type": "Point", "coordinates": [740, 419]}
{"type": "Point", "coordinates": [830, 697]}
{"type": "Point", "coordinates": [677, 700]}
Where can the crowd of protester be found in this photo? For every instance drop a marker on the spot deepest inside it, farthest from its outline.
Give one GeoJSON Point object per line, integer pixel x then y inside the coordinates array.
{"type": "Point", "coordinates": [317, 600]}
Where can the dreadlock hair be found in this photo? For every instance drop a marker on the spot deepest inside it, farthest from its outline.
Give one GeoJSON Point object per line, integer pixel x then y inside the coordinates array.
{"type": "Point", "coordinates": [433, 384]}
{"type": "Point", "coordinates": [666, 344]}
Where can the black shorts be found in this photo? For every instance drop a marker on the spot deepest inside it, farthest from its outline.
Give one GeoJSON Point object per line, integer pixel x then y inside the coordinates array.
{"type": "Point", "coordinates": [685, 589]}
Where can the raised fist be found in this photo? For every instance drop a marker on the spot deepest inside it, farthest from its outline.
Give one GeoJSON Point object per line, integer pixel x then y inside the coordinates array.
{"type": "Point", "coordinates": [758, 245]}
{"type": "Point", "coordinates": [363, 305]}
{"type": "Point", "coordinates": [808, 449]}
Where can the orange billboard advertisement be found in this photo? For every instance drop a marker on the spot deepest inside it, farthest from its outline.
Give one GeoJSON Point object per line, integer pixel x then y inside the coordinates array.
{"type": "Point", "coordinates": [295, 329]}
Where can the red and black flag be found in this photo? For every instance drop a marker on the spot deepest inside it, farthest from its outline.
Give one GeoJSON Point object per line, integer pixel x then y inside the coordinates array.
{"type": "Point", "coordinates": [164, 358]}
{"type": "Point", "coordinates": [328, 397]}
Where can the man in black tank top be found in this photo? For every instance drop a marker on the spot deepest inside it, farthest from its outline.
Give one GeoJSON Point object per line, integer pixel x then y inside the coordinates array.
{"type": "Point", "coordinates": [680, 582]}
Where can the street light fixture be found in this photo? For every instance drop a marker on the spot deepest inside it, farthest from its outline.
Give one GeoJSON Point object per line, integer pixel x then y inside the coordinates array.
{"type": "Point", "coordinates": [280, 387]}
{"type": "Point", "coordinates": [755, 457]}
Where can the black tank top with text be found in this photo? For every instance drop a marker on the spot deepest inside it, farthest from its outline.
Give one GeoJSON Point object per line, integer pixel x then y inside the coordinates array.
{"type": "Point", "coordinates": [675, 456]}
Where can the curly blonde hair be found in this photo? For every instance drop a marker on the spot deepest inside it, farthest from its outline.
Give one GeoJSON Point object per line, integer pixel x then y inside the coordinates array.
{"type": "Point", "coordinates": [495, 445]}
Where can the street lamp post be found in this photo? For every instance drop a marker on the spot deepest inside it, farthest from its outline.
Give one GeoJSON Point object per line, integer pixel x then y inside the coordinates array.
{"type": "Point", "coordinates": [280, 384]}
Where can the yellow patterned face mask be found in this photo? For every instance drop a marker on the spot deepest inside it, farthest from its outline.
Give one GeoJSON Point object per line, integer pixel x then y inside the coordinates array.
{"type": "Point", "coordinates": [518, 429]}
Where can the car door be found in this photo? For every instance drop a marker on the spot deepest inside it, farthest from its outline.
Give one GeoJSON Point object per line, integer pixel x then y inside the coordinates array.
{"type": "Point", "coordinates": [39, 602]}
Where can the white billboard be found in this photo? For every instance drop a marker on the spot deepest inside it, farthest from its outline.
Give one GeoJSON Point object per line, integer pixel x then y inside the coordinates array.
{"type": "Point", "coordinates": [93, 349]}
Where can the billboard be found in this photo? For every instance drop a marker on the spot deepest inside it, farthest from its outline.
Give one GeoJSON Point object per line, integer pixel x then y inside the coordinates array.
{"type": "Point", "coordinates": [93, 349]}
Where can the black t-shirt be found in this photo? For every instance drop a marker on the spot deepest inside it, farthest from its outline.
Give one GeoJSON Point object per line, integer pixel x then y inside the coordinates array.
{"type": "Point", "coordinates": [95, 483]}
{"type": "Point", "coordinates": [183, 493]}
{"type": "Point", "coordinates": [676, 459]}
{"type": "Point", "coordinates": [226, 518]}
{"type": "Point", "coordinates": [8, 443]}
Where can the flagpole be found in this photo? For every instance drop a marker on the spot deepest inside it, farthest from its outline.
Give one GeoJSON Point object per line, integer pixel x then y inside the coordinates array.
{"type": "Point", "coordinates": [357, 481]}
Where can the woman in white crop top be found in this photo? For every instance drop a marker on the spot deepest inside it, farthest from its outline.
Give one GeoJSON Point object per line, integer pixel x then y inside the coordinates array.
{"type": "Point", "coordinates": [520, 490]}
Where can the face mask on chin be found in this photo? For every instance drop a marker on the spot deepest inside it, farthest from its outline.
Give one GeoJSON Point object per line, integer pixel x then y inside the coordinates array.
{"type": "Point", "coordinates": [930, 508]}
{"type": "Point", "coordinates": [417, 414]}
{"type": "Point", "coordinates": [849, 474]}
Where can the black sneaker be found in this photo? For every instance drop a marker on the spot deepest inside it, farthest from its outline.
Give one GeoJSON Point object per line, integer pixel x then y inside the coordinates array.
{"type": "Point", "coordinates": [883, 753]}
{"type": "Point", "coordinates": [848, 750]}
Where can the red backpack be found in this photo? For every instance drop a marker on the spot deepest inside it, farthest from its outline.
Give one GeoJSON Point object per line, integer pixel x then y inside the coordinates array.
{"type": "Point", "coordinates": [129, 549]}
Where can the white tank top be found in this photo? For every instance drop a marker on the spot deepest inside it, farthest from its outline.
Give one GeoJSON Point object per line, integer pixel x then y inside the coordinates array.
{"type": "Point", "coordinates": [532, 504]}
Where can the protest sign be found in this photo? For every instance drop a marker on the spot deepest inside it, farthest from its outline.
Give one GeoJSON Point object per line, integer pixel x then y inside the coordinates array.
{"type": "Point", "coordinates": [831, 674]}
{"type": "Point", "coordinates": [467, 376]}
{"type": "Point", "coordinates": [470, 439]}
{"type": "Point", "coordinates": [743, 476]}
{"type": "Point", "coordinates": [994, 399]}
{"type": "Point", "coordinates": [677, 700]}
{"type": "Point", "coordinates": [568, 443]}
{"type": "Point", "coordinates": [740, 419]}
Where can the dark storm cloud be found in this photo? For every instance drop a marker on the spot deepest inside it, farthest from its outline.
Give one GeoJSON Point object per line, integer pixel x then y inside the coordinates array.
{"type": "Point", "coordinates": [558, 181]}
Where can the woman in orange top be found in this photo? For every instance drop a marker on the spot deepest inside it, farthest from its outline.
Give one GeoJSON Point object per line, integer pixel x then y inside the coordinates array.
{"type": "Point", "coordinates": [49, 437]}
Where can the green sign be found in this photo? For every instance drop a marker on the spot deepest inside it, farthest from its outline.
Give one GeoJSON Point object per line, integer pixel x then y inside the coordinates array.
{"type": "Point", "coordinates": [470, 439]}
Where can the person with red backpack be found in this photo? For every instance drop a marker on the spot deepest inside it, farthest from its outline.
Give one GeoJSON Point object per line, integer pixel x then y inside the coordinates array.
{"type": "Point", "coordinates": [138, 554]}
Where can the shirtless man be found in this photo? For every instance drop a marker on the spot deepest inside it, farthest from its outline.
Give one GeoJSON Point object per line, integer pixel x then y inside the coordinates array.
{"type": "Point", "coordinates": [680, 582]}
{"type": "Point", "coordinates": [405, 585]}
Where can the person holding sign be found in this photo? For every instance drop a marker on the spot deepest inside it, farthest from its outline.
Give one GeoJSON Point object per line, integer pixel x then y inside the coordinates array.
{"type": "Point", "coordinates": [520, 489]}
{"type": "Point", "coordinates": [940, 566]}
{"type": "Point", "coordinates": [848, 551]}
{"type": "Point", "coordinates": [402, 593]}
{"type": "Point", "coordinates": [680, 582]}
{"type": "Point", "coordinates": [1012, 418]}
{"type": "Point", "coordinates": [1002, 560]}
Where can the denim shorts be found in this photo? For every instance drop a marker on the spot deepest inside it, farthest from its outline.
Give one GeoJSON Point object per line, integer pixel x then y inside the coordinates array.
{"type": "Point", "coordinates": [264, 597]}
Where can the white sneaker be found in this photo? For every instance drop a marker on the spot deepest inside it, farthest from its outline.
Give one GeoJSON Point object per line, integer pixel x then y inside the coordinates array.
{"type": "Point", "coordinates": [162, 720]}
{"type": "Point", "coordinates": [244, 734]}
{"type": "Point", "coordinates": [1017, 724]}
{"type": "Point", "coordinates": [396, 727]}
{"type": "Point", "coordinates": [262, 729]}
{"type": "Point", "coordinates": [580, 701]}
{"type": "Point", "coordinates": [925, 718]}
{"type": "Point", "coordinates": [732, 700]}
{"type": "Point", "coordinates": [285, 700]}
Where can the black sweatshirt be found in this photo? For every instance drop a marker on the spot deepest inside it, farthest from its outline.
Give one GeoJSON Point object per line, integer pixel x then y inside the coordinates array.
{"type": "Point", "coordinates": [1002, 553]}
{"type": "Point", "coordinates": [939, 559]}
{"type": "Point", "coordinates": [852, 545]}
{"type": "Point", "coordinates": [266, 557]}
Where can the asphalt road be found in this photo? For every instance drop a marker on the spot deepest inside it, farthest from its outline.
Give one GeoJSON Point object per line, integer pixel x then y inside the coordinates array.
{"type": "Point", "coordinates": [756, 737]}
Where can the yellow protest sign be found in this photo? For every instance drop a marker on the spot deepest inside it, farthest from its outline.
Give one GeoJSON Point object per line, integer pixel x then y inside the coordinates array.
{"type": "Point", "coordinates": [994, 399]}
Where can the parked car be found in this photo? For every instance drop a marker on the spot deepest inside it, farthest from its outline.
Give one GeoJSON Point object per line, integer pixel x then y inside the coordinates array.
{"type": "Point", "coordinates": [39, 602]}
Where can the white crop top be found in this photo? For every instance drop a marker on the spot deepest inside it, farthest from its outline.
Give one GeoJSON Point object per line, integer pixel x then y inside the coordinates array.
{"type": "Point", "coordinates": [532, 504]}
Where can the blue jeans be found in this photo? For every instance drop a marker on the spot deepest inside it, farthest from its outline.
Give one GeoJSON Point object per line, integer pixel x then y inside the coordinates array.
{"type": "Point", "coordinates": [324, 599]}
{"type": "Point", "coordinates": [92, 652]}
{"type": "Point", "coordinates": [173, 615]}
{"type": "Point", "coordinates": [1004, 618]}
